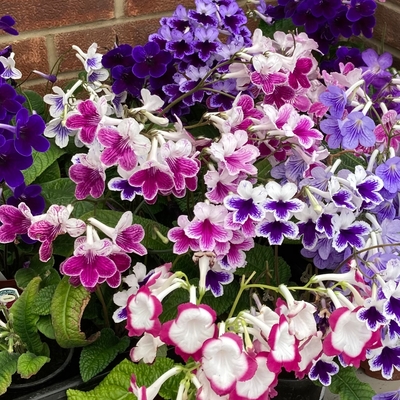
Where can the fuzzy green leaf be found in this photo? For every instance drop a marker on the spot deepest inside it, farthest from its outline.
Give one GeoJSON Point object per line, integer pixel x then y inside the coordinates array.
{"type": "Point", "coordinates": [66, 310]}
{"type": "Point", "coordinates": [43, 300]}
{"type": "Point", "coordinates": [51, 173]}
{"type": "Point", "coordinates": [8, 367]}
{"type": "Point", "coordinates": [45, 271]}
{"type": "Point", "coordinates": [34, 102]}
{"type": "Point", "coordinates": [264, 168]}
{"type": "Point", "coordinates": [25, 320]}
{"type": "Point", "coordinates": [98, 355]}
{"type": "Point", "coordinates": [116, 385]}
{"type": "Point", "coordinates": [41, 161]}
{"type": "Point", "coordinates": [45, 326]}
{"type": "Point", "coordinates": [29, 364]}
{"type": "Point", "coordinates": [349, 387]}
{"type": "Point", "coordinates": [62, 192]}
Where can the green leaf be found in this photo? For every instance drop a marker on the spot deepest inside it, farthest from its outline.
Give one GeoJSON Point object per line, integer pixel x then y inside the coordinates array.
{"type": "Point", "coordinates": [45, 326]}
{"type": "Point", "coordinates": [283, 25]}
{"type": "Point", "coordinates": [29, 364]}
{"type": "Point", "coordinates": [98, 355]}
{"type": "Point", "coordinates": [350, 161]}
{"type": "Point", "coordinates": [8, 367]}
{"type": "Point", "coordinates": [62, 192]}
{"type": "Point", "coordinates": [25, 320]}
{"type": "Point", "coordinates": [44, 270]}
{"type": "Point", "coordinates": [116, 385]}
{"type": "Point", "coordinates": [171, 302]}
{"type": "Point", "coordinates": [264, 168]}
{"type": "Point", "coordinates": [66, 309]}
{"type": "Point", "coordinates": [43, 300]}
{"type": "Point", "coordinates": [41, 161]}
{"type": "Point", "coordinates": [349, 387]}
{"type": "Point", "coordinates": [50, 174]}
{"type": "Point", "coordinates": [34, 102]}
{"type": "Point", "coordinates": [261, 259]}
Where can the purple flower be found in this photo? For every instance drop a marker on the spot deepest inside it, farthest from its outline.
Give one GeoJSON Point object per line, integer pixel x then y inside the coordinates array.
{"type": "Point", "coordinates": [358, 129]}
{"type": "Point", "coordinates": [122, 185]}
{"type": "Point", "coordinates": [232, 17]}
{"type": "Point", "coordinates": [335, 98]}
{"type": "Point", "coordinates": [386, 359]}
{"type": "Point", "coordinates": [121, 55]}
{"type": "Point", "coordinates": [375, 73]}
{"type": "Point", "coordinates": [6, 23]}
{"type": "Point", "coordinates": [389, 172]}
{"type": "Point", "coordinates": [204, 14]}
{"type": "Point", "coordinates": [30, 195]}
{"type": "Point", "coordinates": [180, 44]}
{"type": "Point", "coordinates": [15, 221]}
{"type": "Point", "coordinates": [11, 164]}
{"type": "Point", "coordinates": [206, 42]}
{"type": "Point", "coordinates": [124, 79]}
{"type": "Point", "coordinates": [359, 9]}
{"type": "Point", "coordinates": [276, 231]}
{"type": "Point", "coordinates": [215, 280]}
{"type": "Point", "coordinates": [150, 60]}
{"type": "Point", "coordinates": [323, 369]}
{"type": "Point", "coordinates": [395, 395]}
{"type": "Point", "coordinates": [10, 103]}
{"type": "Point", "coordinates": [90, 263]}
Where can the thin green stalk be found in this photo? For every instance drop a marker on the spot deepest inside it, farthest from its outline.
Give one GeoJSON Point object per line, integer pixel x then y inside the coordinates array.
{"type": "Point", "coordinates": [100, 296]}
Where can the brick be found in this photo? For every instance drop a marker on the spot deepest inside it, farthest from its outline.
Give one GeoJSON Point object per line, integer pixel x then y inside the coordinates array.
{"type": "Point", "coordinates": [133, 33]}
{"type": "Point", "coordinates": [31, 54]}
{"type": "Point", "coordinates": [387, 20]}
{"type": "Point", "coordinates": [44, 14]}
{"type": "Point", "coordinates": [143, 7]}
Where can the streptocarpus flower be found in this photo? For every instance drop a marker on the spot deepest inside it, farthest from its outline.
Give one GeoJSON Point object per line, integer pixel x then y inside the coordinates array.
{"type": "Point", "coordinates": [88, 172]}
{"type": "Point", "coordinates": [182, 242]}
{"type": "Point", "coordinates": [90, 261]}
{"type": "Point", "coordinates": [124, 235]}
{"type": "Point", "coordinates": [282, 204]}
{"type": "Point", "coordinates": [234, 154]}
{"type": "Point", "coordinates": [385, 359]}
{"type": "Point", "coordinates": [146, 349]}
{"type": "Point", "coordinates": [15, 221]}
{"type": "Point", "coordinates": [246, 204]}
{"type": "Point", "coordinates": [208, 226]}
{"type": "Point", "coordinates": [224, 363]}
{"type": "Point", "coordinates": [123, 144]}
{"type": "Point", "coordinates": [348, 337]}
{"type": "Point", "coordinates": [275, 230]}
{"type": "Point", "coordinates": [323, 369]}
{"type": "Point", "coordinates": [55, 222]}
{"type": "Point", "coordinates": [143, 310]}
{"type": "Point", "coordinates": [193, 325]}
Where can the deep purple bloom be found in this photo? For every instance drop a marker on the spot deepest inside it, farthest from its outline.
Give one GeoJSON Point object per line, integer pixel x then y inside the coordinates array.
{"type": "Point", "coordinates": [358, 129]}
{"type": "Point", "coordinates": [180, 44]}
{"type": "Point", "coordinates": [323, 371]}
{"type": "Point", "coordinates": [364, 26]}
{"type": "Point", "coordinates": [124, 79]}
{"type": "Point", "coordinates": [150, 60]}
{"type": "Point", "coordinates": [121, 55]}
{"type": "Point", "coordinates": [276, 231]}
{"type": "Point", "coordinates": [30, 195]}
{"type": "Point", "coordinates": [10, 103]}
{"type": "Point", "coordinates": [128, 192]}
{"type": "Point", "coordinates": [6, 23]}
{"type": "Point", "coordinates": [372, 316]}
{"type": "Point", "coordinates": [12, 163]}
{"type": "Point", "coordinates": [360, 8]}
{"type": "Point", "coordinates": [206, 42]}
{"type": "Point", "coordinates": [215, 280]}
{"type": "Point", "coordinates": [204, 14]}
{"type": "Point", "coordinates": [233, 17]}
{"type": "Point", "coordinates": [386, 361]}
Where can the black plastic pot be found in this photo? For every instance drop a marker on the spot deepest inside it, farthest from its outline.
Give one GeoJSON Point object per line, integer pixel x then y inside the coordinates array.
{"type": "Point", "coordinates": [295, 389]}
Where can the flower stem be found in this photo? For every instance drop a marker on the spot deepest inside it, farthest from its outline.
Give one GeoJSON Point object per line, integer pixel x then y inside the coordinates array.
{"type": "Point", "coordinates": [100, 296]}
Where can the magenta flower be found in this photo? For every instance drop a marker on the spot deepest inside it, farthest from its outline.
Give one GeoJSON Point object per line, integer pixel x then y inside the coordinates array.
{"type": "Point", "coordinates": [234, 154]}
{"type": "Point", "coordinates": [125, 235]}
{"type": "Point", "coordinates": [207, 227]}
{"type": "Point", "coordinates": [55, 222]}
{"type": "Point", "coordinates": [182, 242]}
{"type": "Point", "coordinates": [90, 261]}
{"type": "Point", "coordinates": [15, 221]}
{"type": "Point", "coordinates": [87, 119]}
{"type": "Point", "coordinates": [88, 172]}
{"type": "Point", "coordinates": [123, 144]}
{"type": "Point", "coordinates": [176, 155]}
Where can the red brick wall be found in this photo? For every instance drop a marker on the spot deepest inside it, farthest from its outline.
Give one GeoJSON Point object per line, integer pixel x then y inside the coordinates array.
{"type": "Point", "coordinates": [48, 28]}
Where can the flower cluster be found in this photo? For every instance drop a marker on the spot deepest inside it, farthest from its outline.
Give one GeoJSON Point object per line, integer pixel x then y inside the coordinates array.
{"type": "Point", "coordinates": [325, 21]}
